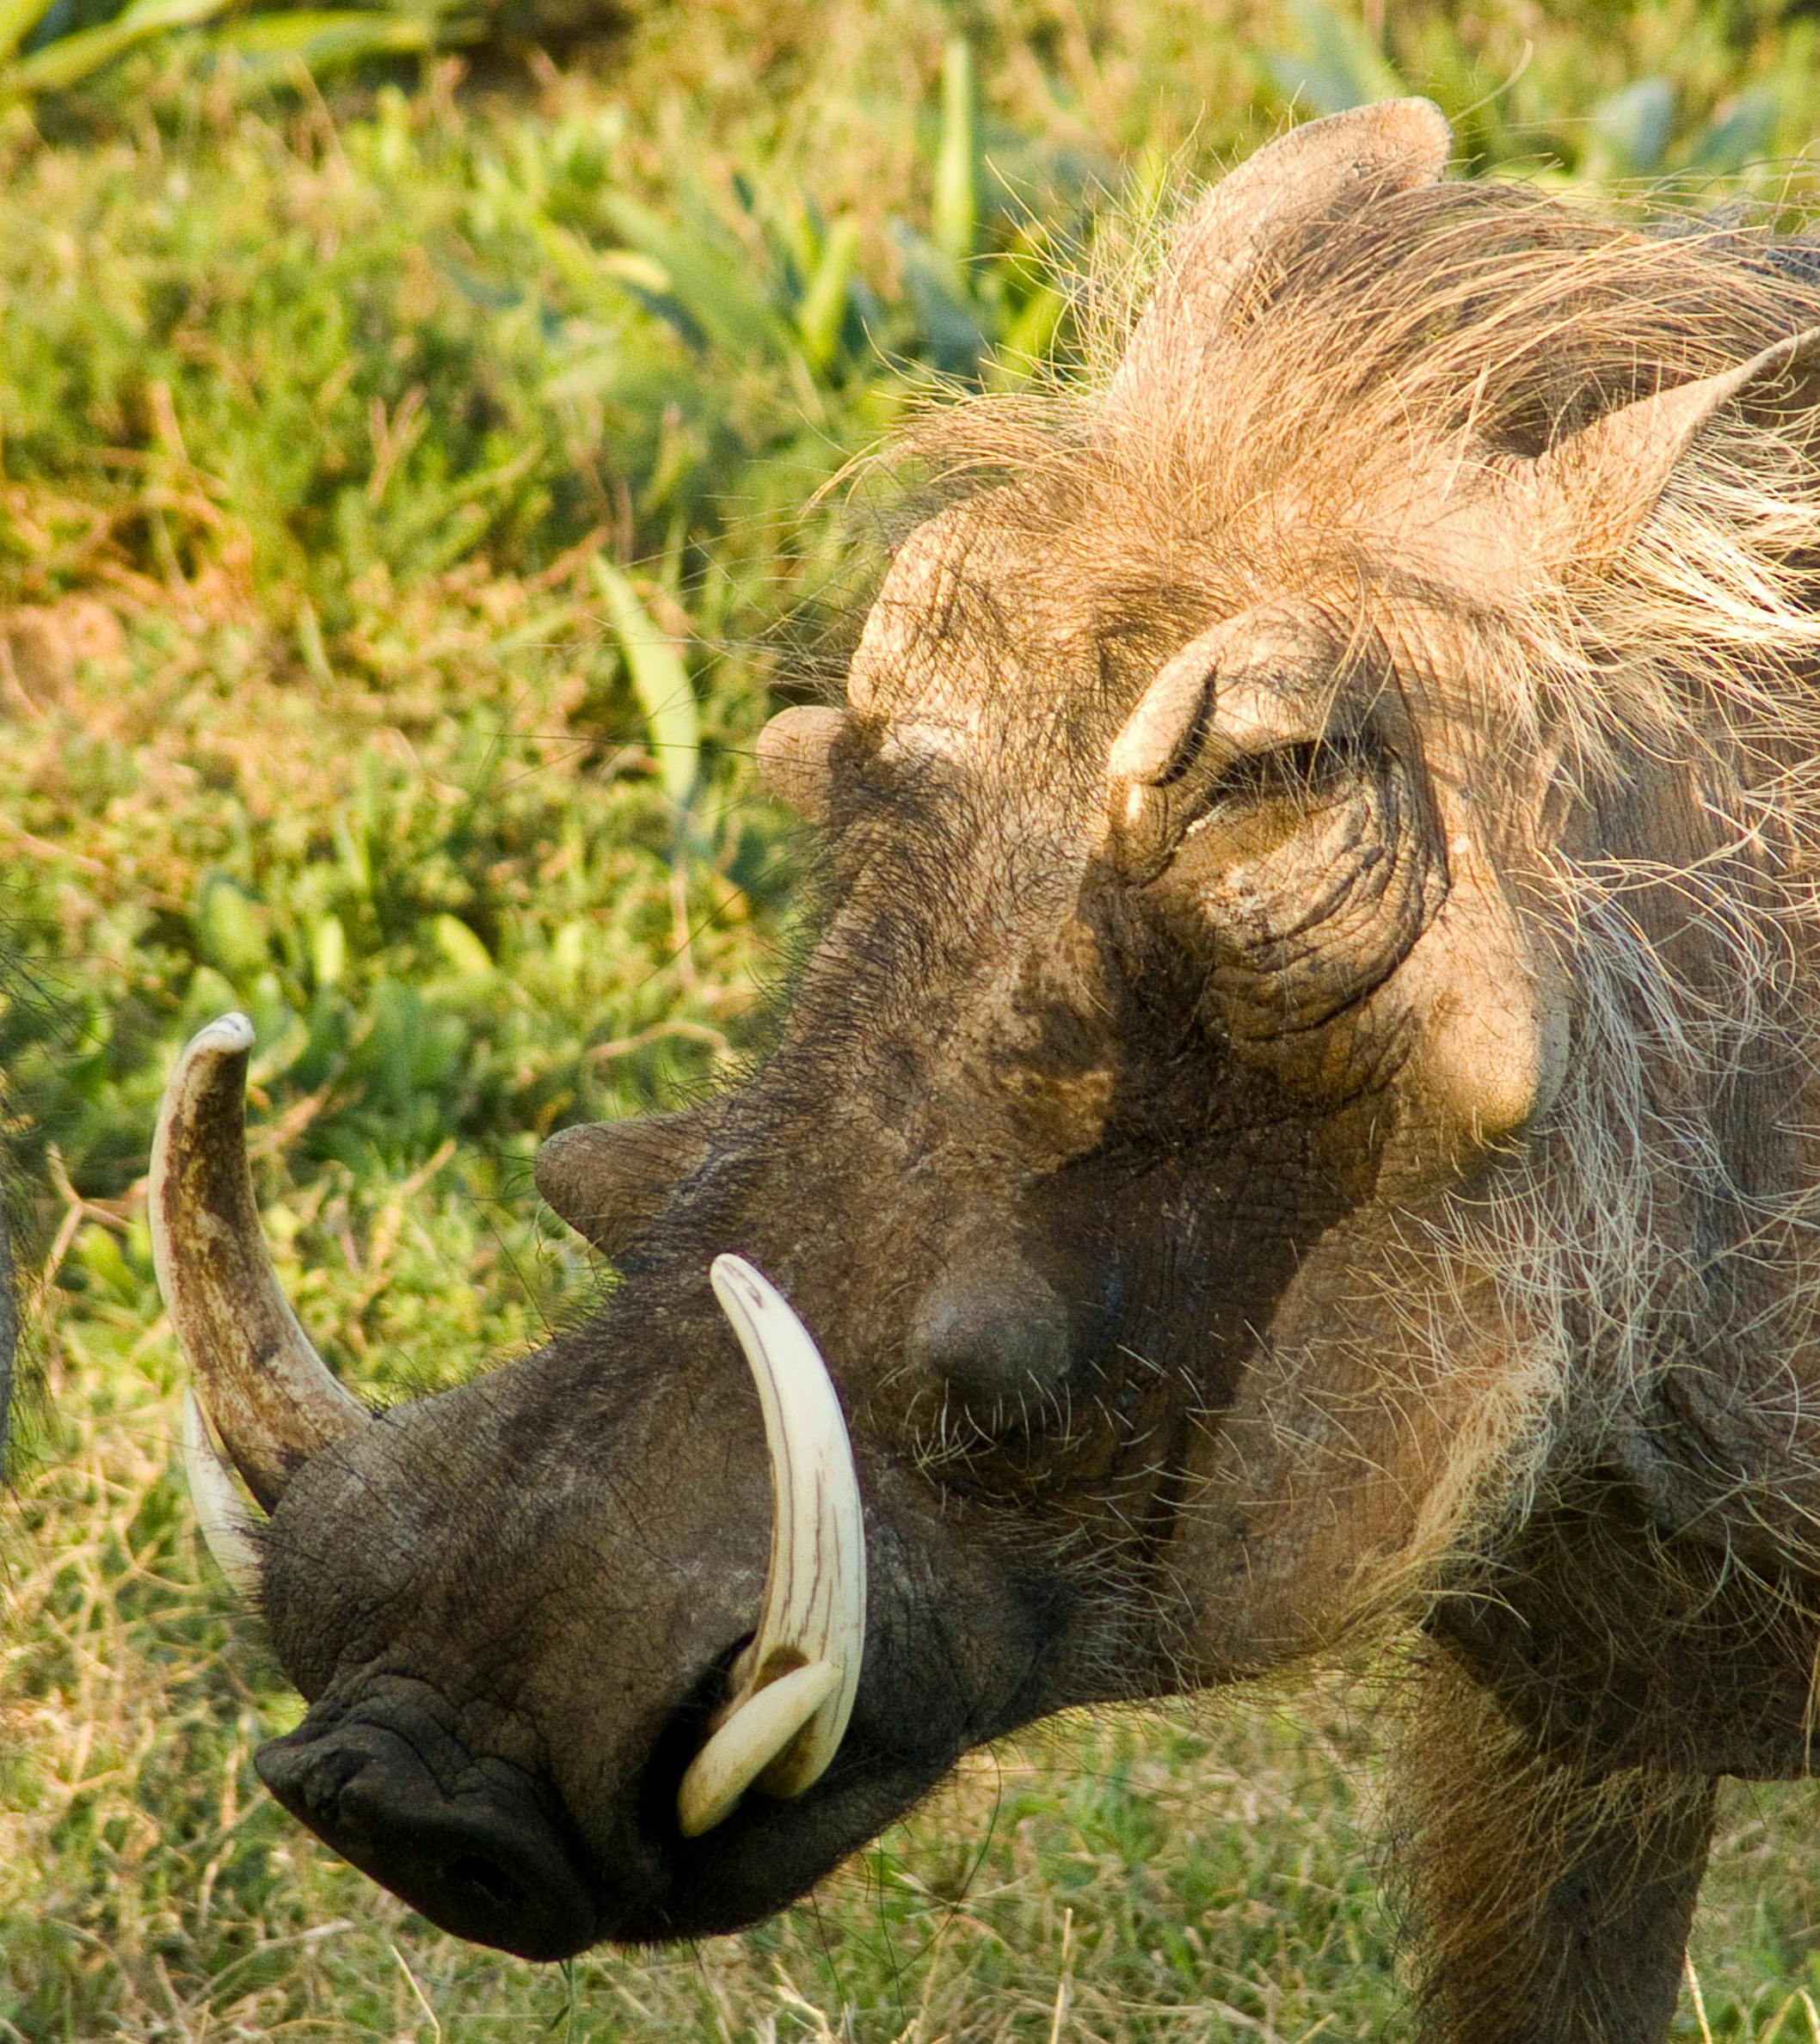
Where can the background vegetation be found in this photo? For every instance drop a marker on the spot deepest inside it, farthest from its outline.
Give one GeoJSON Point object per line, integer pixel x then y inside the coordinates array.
{"type": "Point", "coordinates": [401, 537]}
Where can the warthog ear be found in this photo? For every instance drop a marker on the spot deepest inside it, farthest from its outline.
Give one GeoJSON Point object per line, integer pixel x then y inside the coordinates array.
{"type": "Point", "coordinates": [1394, 147]}
{"type": "Point", "coordinates": [606, 1179]}
{"type": "Point", "coordinates": [1591, 493]}
{"type": "Point", "coordinates": [794, 758]}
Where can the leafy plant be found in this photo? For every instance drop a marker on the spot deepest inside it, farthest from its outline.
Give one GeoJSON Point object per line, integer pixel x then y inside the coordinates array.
{"type": "Point", "coordinates": [37, 57]}
{"type": "Point", "coordinates": [659, 681]}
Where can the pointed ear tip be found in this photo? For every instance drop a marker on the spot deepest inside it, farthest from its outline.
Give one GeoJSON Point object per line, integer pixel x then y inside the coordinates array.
{"type": "Point", "coordinates": [1423, 120]}
{"type": "Point", "coordinates": [1417, 106]}
{"type": "Point", "coordinates": [564, 1171]}
{"type": "Point", "coordinates": [1412, 127]}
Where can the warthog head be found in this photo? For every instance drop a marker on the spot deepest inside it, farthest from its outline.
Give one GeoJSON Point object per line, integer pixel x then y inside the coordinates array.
{"type": "Point", "coordinates": [1132, 1268]}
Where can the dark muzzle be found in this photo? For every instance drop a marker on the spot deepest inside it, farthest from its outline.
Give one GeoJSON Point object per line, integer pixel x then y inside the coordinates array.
{"type": "Point", "coordinates": [484, 1858]}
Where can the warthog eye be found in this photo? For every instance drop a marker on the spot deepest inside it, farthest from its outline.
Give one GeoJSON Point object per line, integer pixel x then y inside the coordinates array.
{"type": "Point", "coordinates": [1301, 884]}
{"type": "Point", "coordinates": [1305, 772]}
{"type": "Point", "coordinates": [1262, 708]}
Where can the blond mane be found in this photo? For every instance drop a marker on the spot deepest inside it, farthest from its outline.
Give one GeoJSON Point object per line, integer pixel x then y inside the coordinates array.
{"type": "Point", "coordinates": [1409, 334]}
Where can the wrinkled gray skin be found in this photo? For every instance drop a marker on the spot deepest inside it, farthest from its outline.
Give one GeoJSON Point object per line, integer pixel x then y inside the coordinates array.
{"type": "Point", "coordinates": [1180, 971]}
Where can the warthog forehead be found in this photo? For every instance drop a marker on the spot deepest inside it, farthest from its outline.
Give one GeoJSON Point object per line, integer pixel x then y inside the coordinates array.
{"type": "Point", "coordinates": [977, 637]}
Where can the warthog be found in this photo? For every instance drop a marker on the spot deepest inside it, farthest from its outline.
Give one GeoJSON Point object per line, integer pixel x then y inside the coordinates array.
{"type": "Point", "coordinates": [1300, 1126]}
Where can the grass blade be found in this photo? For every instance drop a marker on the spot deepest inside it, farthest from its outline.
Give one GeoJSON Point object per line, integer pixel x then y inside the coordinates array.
{"type": "Point", "coordinates": [956, 210]}
{"type": "Point", "coordinates": [1745, 136]}
{"type": "Point", "coordinates": [71, 59]}
{"type": "Point", "coordinates": [659, 681]}
{"type": "Point", "coordinates": [713, 284]}
{"type": "Point", "coordinates": [17, 20]}
{"type": "Point", "coordinates": [1339, 65]}
{"type": "Point", "coordinates": [333, 35]}
{"type": "Point", "coordinates": [824, 307]}
{"type": "Point", "coordinates": [1630, 130]}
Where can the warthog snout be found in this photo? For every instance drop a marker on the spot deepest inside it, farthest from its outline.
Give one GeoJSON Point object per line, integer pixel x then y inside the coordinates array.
{"type": "Point", "coordinates": [479, 1847]}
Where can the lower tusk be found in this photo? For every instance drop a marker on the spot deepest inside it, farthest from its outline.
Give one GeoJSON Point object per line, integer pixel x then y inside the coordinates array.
{"type": "Point", "coordinates": [760, 1731]}
{"type": "Point", "coordinates": [226, 1524]}
{"type": "Point", "coordinates": [814, 1606]}
{"type": "Point", "coordinates": [793, 1687]}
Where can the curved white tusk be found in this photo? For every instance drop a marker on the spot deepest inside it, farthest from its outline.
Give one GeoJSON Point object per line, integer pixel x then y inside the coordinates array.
{"type": "Point", "coordinates": [748, 1743]}
{"type": "Point", "coordinates": [813, 1608]}
{"type": "Point", "coordinates": [272, 1399]}
{"type": "Point", "coordinates": [815, 1603]}
{"type": "Point", "coordinates": [226, 1524]}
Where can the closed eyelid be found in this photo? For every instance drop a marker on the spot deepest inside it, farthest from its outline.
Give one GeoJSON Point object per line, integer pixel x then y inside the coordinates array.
{"type": "Point", "coordinates": [1251, 716]}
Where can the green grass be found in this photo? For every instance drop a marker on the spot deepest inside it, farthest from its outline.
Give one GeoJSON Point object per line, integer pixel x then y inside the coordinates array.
{"type": "Point", "coordinates": [400, 541]}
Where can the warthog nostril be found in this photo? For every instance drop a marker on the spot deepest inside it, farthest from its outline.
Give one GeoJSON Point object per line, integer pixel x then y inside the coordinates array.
{"type": "Point", "coordinates": [319, 1787]}
{"type": "Point", "coordinates": [489, 1884]}
{"type": "Point", "coordinates": [488, 1859]}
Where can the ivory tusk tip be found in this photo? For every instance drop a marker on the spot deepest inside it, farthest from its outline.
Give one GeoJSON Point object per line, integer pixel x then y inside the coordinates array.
{"type": "Point", "coordinates": [814, 1606]}
{"type": "Point", "coordinates": [226, 1036]}
{"type": "Point", "coordinates": [734, 1278]}
{"type": "Point", "coordinates": [760, 1730]}
{"type": "Point", "coordinates": [754, 1304]}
